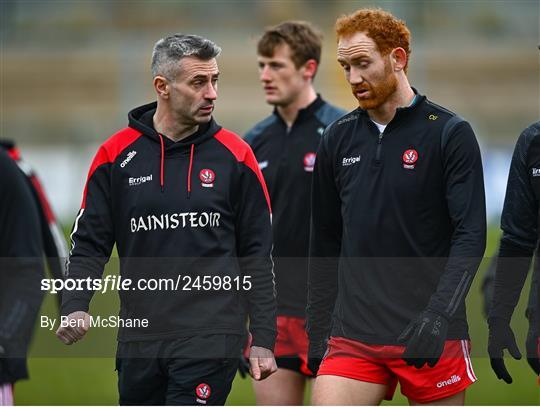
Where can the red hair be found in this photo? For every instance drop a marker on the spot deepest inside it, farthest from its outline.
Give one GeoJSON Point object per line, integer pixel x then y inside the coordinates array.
{"type": "Point", "coordinates": [387, 31]}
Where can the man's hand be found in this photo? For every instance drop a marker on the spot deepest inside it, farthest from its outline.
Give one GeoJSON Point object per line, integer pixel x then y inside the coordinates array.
{"type": "Point", "coordinates": [262, 362]}
{"type": "Point", "coordinates": [316, 351]}
{"type": "Point", "coordinates": [501, 337]}
{"type": "Point", "coordinates": [71, 334]}
{"type": "Point", "coordinates": [424, 339]}
{"type": "Point", "coordinates": [243, 366]}
{"type": "Point", "coordinates": [532, 347]}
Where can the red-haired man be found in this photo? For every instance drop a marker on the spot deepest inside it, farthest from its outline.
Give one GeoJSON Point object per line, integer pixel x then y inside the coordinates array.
{"type": "Point", "coordinates": [398, 231]}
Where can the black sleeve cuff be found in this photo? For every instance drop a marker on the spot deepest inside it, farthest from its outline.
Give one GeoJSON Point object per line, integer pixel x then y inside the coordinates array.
{"type": "Point", "coordinates": [264, 339]}
{"type": "Point", "coordinates": [74, 305]}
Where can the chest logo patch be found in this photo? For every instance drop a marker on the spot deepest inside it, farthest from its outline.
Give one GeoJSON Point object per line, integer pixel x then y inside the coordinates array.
{"type": "Point", "coordinates": [203, 392]}
{"type": "Point", "coordinates": [409, 159]}
{"type": "Point", "coordinates": [309, 162]}
{"type": "Point", "coordinates": [207, 178]}
{"type": "Point", "coordinates": [263, 165]}
{"type": "Point", "coordinates": [536, 172]}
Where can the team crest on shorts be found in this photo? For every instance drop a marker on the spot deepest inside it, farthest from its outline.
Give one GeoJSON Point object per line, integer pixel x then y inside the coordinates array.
{"type": "Point", "coordinates": [203, 392]}
{"type": "Point", "coordinates": [409, 159]}
{"type": "Point", "coordinates": [309, 162]}
{"type": "Point", "coordinates": [207, 178]}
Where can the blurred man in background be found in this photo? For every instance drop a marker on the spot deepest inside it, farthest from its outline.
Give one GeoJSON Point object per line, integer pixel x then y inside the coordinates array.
{"type": "Point", "coordinates": [399, 229]}
{"type": "Point", "coordinates": [21, 270]}
{"type": "Point", "coordinates": [285, 144]}
{"type": "Point", "coordinates": [181, 197]}
{"type": "Point", "coordinates": [54, 243]}
{"type": "Point", "coordinates": [531, 311]}
{"type": "Point", "coordinates": [519, 224]}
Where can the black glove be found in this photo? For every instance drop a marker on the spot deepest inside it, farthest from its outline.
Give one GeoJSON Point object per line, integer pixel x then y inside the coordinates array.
{"type": "Point", "coordinates": [501, 337]}
{"type": "Point", "coordinates": [316, 353]}
{"type": "Point", "coordinates": [532, 347]}
{"type": "Point", "coordinates": [424, 339]}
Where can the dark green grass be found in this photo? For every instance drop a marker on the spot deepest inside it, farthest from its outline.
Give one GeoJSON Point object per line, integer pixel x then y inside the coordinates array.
{"type": "Point", "coordinates": [60, 376]}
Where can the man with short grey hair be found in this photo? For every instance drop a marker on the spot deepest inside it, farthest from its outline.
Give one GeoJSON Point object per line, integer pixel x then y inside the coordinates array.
{"type": "Point", "coordinates": [184, 201]}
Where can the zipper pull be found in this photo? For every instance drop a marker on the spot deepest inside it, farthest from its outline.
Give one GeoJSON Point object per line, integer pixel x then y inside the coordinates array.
{"type": "Point", "coordinates": [379, 144]}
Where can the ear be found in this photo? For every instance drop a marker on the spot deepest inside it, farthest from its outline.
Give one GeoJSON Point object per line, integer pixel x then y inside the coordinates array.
{"type": "Point", "coordinates": [310, 69]}
{"type": "Point", "coordinates": [398, 56]}
{"type": "Point", "coordinates": [161, 86]}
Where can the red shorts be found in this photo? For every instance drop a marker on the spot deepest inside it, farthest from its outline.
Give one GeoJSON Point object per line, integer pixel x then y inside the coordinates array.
{"type": "Point", "coordinates": [383, 365]}
{"type": "Point", "coordinates": [292, 344]}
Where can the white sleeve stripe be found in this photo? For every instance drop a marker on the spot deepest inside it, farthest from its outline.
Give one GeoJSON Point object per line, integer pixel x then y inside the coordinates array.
{"type": "Point", "coordinates": [75, 227]}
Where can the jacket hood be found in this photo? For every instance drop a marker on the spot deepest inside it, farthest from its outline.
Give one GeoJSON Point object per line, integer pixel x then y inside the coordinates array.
{"type": "Point", "coordinates": [140, 119]}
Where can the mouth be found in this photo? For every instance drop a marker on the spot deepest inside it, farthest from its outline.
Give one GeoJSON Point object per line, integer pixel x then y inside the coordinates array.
{"type": "Point", "coordinates": [270, 89]}
{"type": "Point", "coordinates": [361, 93]}
{"type": "Point", "coordinates": [207, 109]}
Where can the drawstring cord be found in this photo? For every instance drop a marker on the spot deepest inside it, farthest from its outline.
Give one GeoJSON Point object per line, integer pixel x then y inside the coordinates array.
{"type": "Point", "coordinates": [162, 164]}
{"type": "Point", "coordinates": [189, 170]}
{"type": "Point", "coordinates": [162, 172]}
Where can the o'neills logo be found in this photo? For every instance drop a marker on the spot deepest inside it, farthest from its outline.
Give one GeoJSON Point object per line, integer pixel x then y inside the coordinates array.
{"type": "Point", "coordinates": [175, 221]}
{"type": "Point", "coordinates": [452, 380]}
{"type": "Point", "coordinates": [130, 155]}
{"type": "Point", "coordinates": [132, 181]}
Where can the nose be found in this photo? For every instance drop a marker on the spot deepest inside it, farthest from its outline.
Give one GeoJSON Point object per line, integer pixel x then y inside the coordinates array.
{"type": "Point", "coordinates": [264, 75]}
{"type": "Point", "coordinates": [355, 76]}
{"type": "Point", "coordinates": [211, 92]}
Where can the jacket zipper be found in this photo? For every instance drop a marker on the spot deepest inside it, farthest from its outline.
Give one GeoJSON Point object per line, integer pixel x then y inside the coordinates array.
{"type": "Point", "coordinates": [379, 145]}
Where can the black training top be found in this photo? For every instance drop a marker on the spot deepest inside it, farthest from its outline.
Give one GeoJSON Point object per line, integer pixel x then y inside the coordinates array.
{"type": "Point", "coordinates": [286, 158]}
{"type": "Point", "coordinates": [21, 269]}
{"type": "Point", "coordinates": [399, 224]}
{"type": "Point", "coordinates": [519, 223]}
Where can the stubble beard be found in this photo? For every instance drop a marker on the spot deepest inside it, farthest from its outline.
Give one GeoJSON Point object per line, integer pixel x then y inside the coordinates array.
{"type": "Point", "coordinates": [380, 92]}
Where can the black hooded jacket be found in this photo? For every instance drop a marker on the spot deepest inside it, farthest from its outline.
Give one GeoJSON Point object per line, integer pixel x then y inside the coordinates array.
{"type": "Point", "coordinates": [519, 223]}
{"type": "Point", "coordinates": [21, 269]}
{"type": "Point", "coordinates": [198, 209]}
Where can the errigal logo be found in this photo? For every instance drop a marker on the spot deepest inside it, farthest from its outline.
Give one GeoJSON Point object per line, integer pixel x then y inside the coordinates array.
{"type": "Point", "coordinates": [133, 181]}
{"type": "Point", "coordinates": [350, 161]}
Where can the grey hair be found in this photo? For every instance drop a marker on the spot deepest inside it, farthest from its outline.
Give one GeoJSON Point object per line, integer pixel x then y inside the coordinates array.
{"type": "Point", "coordinates": [170, 50]}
